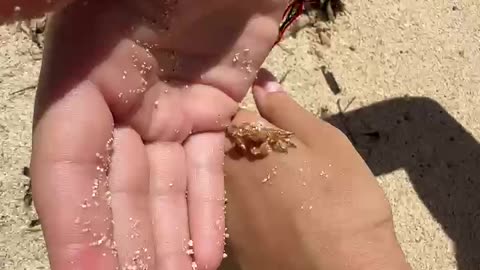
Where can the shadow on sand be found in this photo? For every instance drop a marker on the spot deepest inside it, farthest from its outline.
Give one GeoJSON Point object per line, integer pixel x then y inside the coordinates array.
{"type": "Point", "coordinates": [441, 158]}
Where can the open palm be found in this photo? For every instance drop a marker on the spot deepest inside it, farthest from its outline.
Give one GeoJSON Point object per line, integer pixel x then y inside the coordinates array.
{"type": "Point", "coordinates": [128, 142]}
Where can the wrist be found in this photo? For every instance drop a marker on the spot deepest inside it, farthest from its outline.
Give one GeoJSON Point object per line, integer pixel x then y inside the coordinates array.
{"type": "Point", "coordinates": [387, 255]}
{"type": "Point", "coordinates": [378, 252]}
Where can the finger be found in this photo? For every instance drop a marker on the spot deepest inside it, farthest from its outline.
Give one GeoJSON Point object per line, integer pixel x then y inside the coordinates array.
{"type": "Point", "coordinates": [129, 184]}
{"type": "Point", "coordinates": [206, 197]}
{"type": "Point", "coordinates": [281, 110]}
{"type": "Point", "coordinates": [169, 206]}
{"type": "Point", "coordinates": [172, 113]}
{"type": "Point", "coordinates": [69, 169]}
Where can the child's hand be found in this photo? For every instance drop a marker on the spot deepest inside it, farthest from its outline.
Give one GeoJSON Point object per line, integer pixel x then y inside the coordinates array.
{"type": "Point", "coordinates": [316, 207]}
{"type": "Point", "coordinates": [164, 76]}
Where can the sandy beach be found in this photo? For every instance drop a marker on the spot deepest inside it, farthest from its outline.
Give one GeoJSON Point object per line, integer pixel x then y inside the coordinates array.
{"type": "Point", "coordinates": [408, 76]}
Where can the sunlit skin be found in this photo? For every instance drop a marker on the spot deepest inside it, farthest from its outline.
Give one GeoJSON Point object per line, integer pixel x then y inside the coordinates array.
{"type": "Point", "coordinates": [147, 108]}
{"type": "Point", "coordinates": [113, 67]}
{"type": "Point", "coordinates": [317, 206]}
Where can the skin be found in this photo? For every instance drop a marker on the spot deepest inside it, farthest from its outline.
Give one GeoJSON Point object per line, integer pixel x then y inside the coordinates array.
{"type": "Point", "coordinates": [321, 207]}
{"type": "Point", "coordinates": [78, 104]}
{"type": "Point", "coordinates": [168, 137]}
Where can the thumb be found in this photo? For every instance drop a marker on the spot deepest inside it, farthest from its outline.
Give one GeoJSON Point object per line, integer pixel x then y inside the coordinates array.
{"type": "Point", "coordinates": [278, 108]}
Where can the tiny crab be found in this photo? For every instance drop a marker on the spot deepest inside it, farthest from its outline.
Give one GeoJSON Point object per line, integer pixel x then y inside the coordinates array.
{"type": "Point", "coordinates": [258, 140]}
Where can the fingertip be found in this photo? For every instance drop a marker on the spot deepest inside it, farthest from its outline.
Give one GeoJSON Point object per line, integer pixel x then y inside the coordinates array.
{"type": "Point", "coordinates": [264, 78]}
{"type": "Point", "coordinates": [209, 257]}
{"type": "Point", "coordinates": [280, 109]}
{"type": "Point", "coordinates": [265, 84]}
{"type": "Point", "coordinates": [272, 100]}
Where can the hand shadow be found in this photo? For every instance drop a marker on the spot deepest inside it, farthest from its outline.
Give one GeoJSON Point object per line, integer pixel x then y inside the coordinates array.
{"type": "Point", "coordinates": [441, 158]}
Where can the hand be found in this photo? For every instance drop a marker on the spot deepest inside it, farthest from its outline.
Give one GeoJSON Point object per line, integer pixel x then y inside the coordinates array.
{"type": "Point", "coordinates": [123, 86]}
{"type": "Point", "coordinates": [316, 207]}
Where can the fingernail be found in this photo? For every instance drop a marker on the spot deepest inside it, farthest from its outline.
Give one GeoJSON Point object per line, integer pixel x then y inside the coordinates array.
{"type": "Point", "coordinates": [273, 87]}
{"type": "Point", "coordinates": [268, 82]}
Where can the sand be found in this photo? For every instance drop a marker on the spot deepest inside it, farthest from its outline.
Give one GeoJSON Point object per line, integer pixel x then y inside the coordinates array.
{"type": "Point", "coordinates": [410, 71]}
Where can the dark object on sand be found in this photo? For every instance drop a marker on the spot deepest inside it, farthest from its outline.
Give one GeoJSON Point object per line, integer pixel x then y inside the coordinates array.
{"type": "Point", "coordinates": [331, 81]}
{"type": "Point", "coordinates": [299, 7]}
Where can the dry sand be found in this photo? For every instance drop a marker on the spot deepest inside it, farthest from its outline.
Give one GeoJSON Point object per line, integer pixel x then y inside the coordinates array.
{"type": "Point", "coordinates": [412, 69]}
